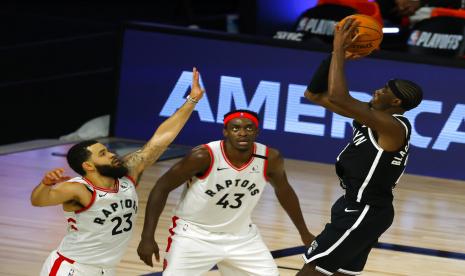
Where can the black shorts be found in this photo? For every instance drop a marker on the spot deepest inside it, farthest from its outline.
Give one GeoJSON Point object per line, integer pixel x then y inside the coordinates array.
{"type": "Point", "coordinates": [345, 243]}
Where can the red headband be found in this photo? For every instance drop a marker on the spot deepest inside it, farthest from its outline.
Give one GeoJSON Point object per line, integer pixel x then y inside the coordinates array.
{"type": "Point", "coordinates": [240, 114]}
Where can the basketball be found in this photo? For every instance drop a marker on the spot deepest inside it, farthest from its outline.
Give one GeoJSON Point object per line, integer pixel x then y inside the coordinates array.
{"type": "Point", "coordinates": [370, 34]}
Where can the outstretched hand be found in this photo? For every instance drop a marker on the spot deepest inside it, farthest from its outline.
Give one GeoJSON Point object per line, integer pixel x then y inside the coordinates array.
{"type": "Point", "coordinates": [54, 176]}
{"type": "Point", "coordinates": [146, 249]}
{"type": "Point", "coordinates": [196, 91]}
{"type": "Point", "coordinates": [346, 34]}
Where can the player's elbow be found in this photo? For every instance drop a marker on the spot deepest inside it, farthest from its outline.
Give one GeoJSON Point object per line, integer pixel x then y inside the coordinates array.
{"type": "Point", "coordinates": [35, 201]}
{"type": "Point", "coordinates": [333, 100]}
{"type": "Point", "coordinates": [315, 98]}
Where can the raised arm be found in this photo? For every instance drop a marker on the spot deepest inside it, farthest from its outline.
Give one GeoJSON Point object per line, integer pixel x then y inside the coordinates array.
{"type": "Point", "coordinates": [387, 128]}
{"type": "Point", "coordinates": [286, 195]}
{"type": "Point", "coordinates": [195, 163]}
{"type": "Point", "coordinates": [53, 190]}
{"type": "Point", "coordinates": [165, 133]}
{"type": "Point", "coordinates": [317, 90]}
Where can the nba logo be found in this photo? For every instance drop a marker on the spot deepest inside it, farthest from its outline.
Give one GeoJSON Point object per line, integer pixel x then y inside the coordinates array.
{"type": "Point", "coordinates": [412, 40]}
{"type": "Point", "coordinates": [255, 169]}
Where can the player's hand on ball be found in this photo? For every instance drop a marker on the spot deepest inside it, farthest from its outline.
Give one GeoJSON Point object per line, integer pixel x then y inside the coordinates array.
{"type": "Point", "coordinates": [345, 34]}
{"type": "Point", "coordinates": [358, 34]}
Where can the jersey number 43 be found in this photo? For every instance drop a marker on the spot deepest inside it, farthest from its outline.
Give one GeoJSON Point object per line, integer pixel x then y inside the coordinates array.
{"type": "Point", "coordinates": [235, 204]}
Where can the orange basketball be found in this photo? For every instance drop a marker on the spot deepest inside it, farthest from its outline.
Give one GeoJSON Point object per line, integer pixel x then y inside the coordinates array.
{"type": "Point", "coordinates": [370, 34]}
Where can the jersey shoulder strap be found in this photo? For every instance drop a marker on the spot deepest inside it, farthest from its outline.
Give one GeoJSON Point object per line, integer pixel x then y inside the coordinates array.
{"type": "Point", "coordinates": [79, 179]}
{"type": "Point", "coordinates": [406, 123]}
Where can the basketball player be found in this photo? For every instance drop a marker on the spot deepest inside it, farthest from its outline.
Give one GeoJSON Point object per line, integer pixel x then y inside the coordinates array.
{"type": "Point", "coordinates": [101, 205]}
{"type": "Point", "coordinates": [211, 223]}
{"type": "Point", "coordinates": [368, 167]}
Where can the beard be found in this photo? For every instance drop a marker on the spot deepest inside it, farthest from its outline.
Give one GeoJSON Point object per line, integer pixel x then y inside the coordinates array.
{"type": "Point", "coordinates": [117, 171]}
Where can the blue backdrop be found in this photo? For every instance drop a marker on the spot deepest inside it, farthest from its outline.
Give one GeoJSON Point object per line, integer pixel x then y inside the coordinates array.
{"type": "Point", "coordinates": [280, 15]}
{"type": "Point", "coordinates": [155, 74]}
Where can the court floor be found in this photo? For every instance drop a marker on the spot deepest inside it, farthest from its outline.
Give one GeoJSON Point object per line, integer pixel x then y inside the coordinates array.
{"type": "Point", "coordinates": [426, 237]}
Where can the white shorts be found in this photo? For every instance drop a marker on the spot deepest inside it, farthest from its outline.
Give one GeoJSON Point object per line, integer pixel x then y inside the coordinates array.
{"type": "Point", "coordinates": [59, 265]}
{"type": "Point", "coordinates": [192, 251]}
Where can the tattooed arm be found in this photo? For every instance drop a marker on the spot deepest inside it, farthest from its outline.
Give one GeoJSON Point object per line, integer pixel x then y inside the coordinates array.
{"type": "Point", "coordinates": [137, 161]}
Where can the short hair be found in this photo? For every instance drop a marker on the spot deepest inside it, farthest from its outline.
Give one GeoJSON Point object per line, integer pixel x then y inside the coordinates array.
{"type": "Point", "coordinates": [407, 91]}
{"type": "Point", "coordinates": [79, 154]}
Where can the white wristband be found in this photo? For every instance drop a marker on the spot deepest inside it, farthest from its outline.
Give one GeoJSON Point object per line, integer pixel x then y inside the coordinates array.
{"type": "Point", "coordinates": [190, 99]}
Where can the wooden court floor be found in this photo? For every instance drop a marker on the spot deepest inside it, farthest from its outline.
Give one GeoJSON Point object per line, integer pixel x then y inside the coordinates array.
{"type": "Point", "coordinates": [429, 216]}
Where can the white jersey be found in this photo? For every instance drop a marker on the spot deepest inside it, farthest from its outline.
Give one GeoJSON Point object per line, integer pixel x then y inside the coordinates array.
{"type": "Point", "coordinates": [98, 234]}
{"type": "Point", "coordinates": [222, 200]}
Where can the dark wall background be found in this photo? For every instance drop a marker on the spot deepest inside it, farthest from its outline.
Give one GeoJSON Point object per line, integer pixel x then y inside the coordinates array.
{"type": "Point", "coordinates": [58, 60]}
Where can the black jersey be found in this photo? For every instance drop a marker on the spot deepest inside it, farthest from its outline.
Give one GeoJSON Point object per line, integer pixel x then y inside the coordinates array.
{"type": "Point", "coordinates": [367, 172]}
